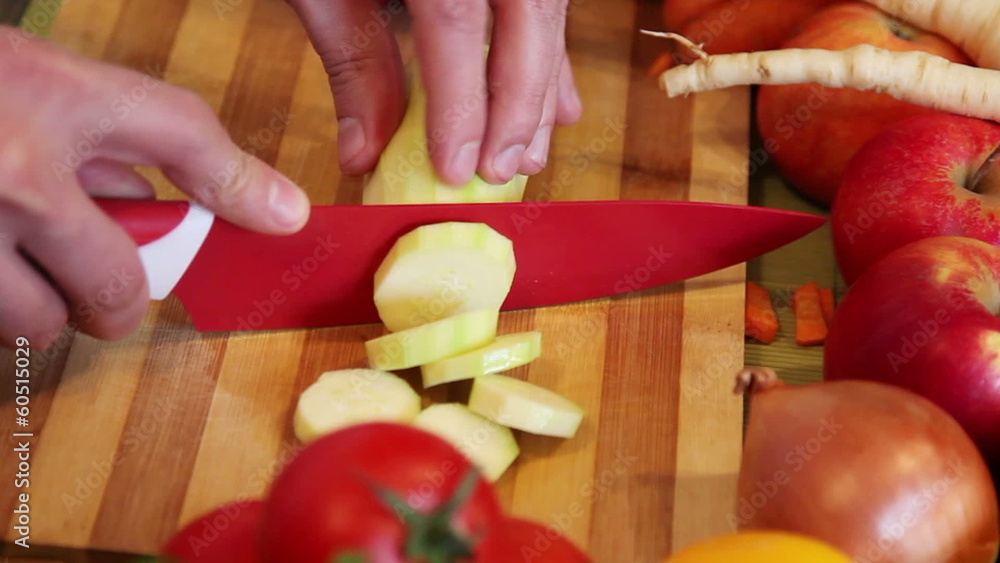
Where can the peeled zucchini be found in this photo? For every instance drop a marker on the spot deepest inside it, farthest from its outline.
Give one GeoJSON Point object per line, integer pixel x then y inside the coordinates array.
{"type": "Point", "coordinates": [488, 445]}
{"type": "Point", "coordinates": [506, 352]}
{"type": "Point", "coordinates": [524, 406]}
{"type": "Point", "coordinates": [434, 341]}
{"type": "Point", "coordinates": [405, 174]}
{"type": "Point", "coordinates": [441, 270]}
{"type": "Point", "coordinates": [352, 396]}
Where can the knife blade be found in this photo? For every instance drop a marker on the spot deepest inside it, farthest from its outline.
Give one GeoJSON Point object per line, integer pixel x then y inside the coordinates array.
{"type": "Point", "coordinates": [231, 279]}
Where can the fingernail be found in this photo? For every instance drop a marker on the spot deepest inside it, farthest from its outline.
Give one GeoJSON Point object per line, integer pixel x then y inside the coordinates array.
{"type": "Point", "coordinates": [507, 162]}
{"type": "Point", "coordinates": [350, 139]}
{"type": "Point", "coordinates": [464, 163]}
{"type": "Point", "coordinates": [289, 205]}
{"type": "Point", "coordinates": [538, 150]}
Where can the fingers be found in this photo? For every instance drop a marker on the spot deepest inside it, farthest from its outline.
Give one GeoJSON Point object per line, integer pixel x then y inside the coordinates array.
{"type": "Point", "coordinates": [177, 131]}
{"type": "Point", "coordinates": [106, 178]}
{"type": "Point", "coordinates": [450, 41]}
{"type": "Point", "coordinates": [89, 258]}
{"type": "Point", "coordinates": [366, 74]}
{"type": "Point", "coordinates": [527, 50]}
{"type": "Point", "coordinates": [537, 153]}
{"type": "Point", "coordinates": [29, 306]}
{"type": "Point", "coordinates": [569, 108]}
{"type": "Point", "coordinates": [102, 112]}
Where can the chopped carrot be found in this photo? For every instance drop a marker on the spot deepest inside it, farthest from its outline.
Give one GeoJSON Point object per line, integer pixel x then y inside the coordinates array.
{"type": "Point", "coordinates": [828, 303]}
{"type": "Point", "coordinates": [810, 327]}
{"type": "Point", "coordinates": [761, 320]}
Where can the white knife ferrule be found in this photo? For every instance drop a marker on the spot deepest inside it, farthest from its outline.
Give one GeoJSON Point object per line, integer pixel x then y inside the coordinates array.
{"type": "Point", "coordinates": [167, 258]}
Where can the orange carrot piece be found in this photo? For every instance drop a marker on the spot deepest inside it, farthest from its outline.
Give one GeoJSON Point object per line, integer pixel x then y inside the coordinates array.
{"type": "Point", "coordinates": [761, 320]}
{"type": "Point", "coordinates": [828, 303]}
{"type": "Point", "coordinates": [662, 64]}
{"type": "Point", "coordinates": [810, 327]}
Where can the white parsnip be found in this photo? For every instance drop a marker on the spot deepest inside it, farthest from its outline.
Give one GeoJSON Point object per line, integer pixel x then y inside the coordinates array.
{"type": "Point", "coordinates": [912, 76]}
{"type": "Point", "coordinates": [973, 25]}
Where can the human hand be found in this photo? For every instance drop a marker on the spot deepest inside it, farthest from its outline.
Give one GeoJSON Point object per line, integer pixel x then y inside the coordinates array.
{"type": "Point", "coordinates": [499, 132]}
{"type": "Point", "coordinates": [73, 128]}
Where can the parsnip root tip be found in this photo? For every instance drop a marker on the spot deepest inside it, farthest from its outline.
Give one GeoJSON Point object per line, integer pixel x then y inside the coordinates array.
{"type": "Point", "coordinates": [696, 48]}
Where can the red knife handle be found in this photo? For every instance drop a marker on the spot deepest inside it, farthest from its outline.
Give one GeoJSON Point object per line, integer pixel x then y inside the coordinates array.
{"type": "Point", "coordinates": [168, 233]}
{"type": "Point", "coordinates": [145, 220]}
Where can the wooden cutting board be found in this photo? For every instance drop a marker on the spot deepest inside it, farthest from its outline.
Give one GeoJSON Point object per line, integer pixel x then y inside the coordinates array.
{"type": "Point", "coordinates": [132, 439]}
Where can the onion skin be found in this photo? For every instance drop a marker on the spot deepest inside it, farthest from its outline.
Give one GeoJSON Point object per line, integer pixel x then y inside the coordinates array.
{"type": "Point", "coordinates": [873, 469]}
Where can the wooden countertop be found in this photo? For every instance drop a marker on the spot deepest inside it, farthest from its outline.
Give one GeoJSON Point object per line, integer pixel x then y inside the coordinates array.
{"type": "Point", "coordinates": [135, 438]}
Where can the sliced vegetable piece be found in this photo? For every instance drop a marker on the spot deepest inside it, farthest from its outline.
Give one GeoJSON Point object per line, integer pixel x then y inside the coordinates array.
{"type": "Point", "coordinates": [488, 445]}
{"type": "Point", "coordinates": [434, 341]}
{"type": "Point", "coordinates": [810, 328]}
{"type": "Point", "coordinates": [828, 303]}
{"type": "Point", "coordinates": [525, 406]}
{"type": "Point", "coordinates": [405, 175]}
{"type": "Point", "coordinates": [506, 352]}
{"type": "Point", "coordinates": [345, 397]}
{"type": "Point", "coordinates": [761, 320]}
{"type": "Point", "coordinates": [441, 270]}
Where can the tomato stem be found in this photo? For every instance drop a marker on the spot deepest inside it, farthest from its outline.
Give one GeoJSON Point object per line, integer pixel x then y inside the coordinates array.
{"type": "Point", "coordinates": [431, 538]}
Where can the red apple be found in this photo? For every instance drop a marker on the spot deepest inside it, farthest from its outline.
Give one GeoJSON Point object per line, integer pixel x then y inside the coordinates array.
{"type": "Point", "coordinates": [749, 25]}
{"type": "Point", "coordinates": [813, 131]}
{"type": "Point", "coordinates": [676, 13]}
{"type": "Point", "coordinates": [924, 318]}
{"type": "Point", "coordinates": [922, 177]}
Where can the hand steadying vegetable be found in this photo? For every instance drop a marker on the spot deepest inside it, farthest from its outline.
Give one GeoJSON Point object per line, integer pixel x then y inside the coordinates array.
{"type": "Point", "coordinates": [73, 128]}
{"type": "Point", "coordinates": [497, 133]}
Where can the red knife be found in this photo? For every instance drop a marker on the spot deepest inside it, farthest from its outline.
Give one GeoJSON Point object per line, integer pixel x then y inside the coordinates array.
{"type": "Point", "coordinates": [229, 278]}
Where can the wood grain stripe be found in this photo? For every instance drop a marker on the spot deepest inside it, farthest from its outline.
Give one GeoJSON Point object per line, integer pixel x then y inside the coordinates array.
{"type": "Point", "coordinates": [131, 44]}
{"type": "Point", "coordinates": [206, 48]}
{"type": "Point", "coordinates": [308, 153]}
{"type": "Point", "coordinates": [86, 409]}
{"type": "Point", "coordinates": [85, 27]}
{"type": "Point", "coordinates": [257, 119]}
{"type": "Point", "coordinates": [159, 440]}
{"type": "Point", "coordinates": [260, 93]}
{"type": "Point", "coordinates": [635, 459]}
{"type": "Point", "coordinates": [573, 339]}
{"type": "Point", "coordinates": [45, 371]}
{"type": "Point", "coordinates": [658, 143]}
{"type": "Point", "coordinates": [239, 442]}
{"type": "Point", "coordinates": [203, 60]}
{"type": "Point", "coordinates": [712, 352]}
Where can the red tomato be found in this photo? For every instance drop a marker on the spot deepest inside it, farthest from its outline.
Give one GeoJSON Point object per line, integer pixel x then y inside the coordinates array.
{"type": "Point", "coordinates": [227, 534]}
{"type": "Point", "coordinates": [332, 502]}
{"type": "Point", "coordinates": [531, 541]}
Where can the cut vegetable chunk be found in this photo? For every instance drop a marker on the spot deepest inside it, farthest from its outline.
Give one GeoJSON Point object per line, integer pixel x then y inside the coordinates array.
{"type": "Point", "coordinates": [435, 341]}
{"type": "Point", "coordinates": [345, 397]}
{"type": "Point", "coordinates": [518, 404]}
{"type": "Point", "coordinates": [441, 270]}
{"type": "Point", "coordinates": [488, 445]}
{"type": "Point", "coordinates": [405, 175]}
{"type": "Point", "coordinates": [761, 321]}
{"type": "Point", "coordinates": [506, 352]}
{"type": "Point", "coordinates": [810, 327]}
